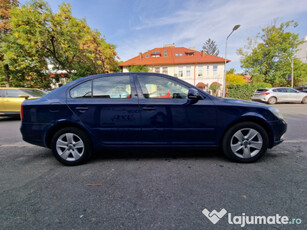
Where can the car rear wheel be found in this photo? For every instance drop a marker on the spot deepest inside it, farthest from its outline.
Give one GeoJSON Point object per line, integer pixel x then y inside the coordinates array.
{"type": "Point", "coordinates": [272, 100]}
{"type": "Point", "coordinates": [245, 142]}
{"type": "Point", "coordinates": [304, 101]}
{"type": "Point", "coordinates": [71, 146]}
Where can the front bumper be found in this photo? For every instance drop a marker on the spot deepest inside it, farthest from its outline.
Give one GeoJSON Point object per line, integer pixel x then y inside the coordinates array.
{"type": "Point", "coordinates": [279, 128]}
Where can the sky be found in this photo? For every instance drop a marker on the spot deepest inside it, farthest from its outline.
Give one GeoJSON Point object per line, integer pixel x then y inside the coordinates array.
{"type": "Point", "coordinates": [136, 26]}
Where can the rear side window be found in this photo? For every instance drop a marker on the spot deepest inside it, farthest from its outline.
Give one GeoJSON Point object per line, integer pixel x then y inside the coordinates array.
{"type": "Point", "coordinates": [83, 90]}
{"type": "Point", "coordinates": [1, 92]}
{"type": "Point", "coordinates": [117, 87]}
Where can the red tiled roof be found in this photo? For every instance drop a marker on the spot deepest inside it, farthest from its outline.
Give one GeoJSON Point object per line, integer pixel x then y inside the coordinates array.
{"type": "Point", "coordinates": [171, 58]}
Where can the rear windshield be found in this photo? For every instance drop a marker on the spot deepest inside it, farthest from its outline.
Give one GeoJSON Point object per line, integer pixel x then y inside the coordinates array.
{"type": "Point", "coordinates": [261, 90]}
{"type": "Point", "coordinates": [34, 92]}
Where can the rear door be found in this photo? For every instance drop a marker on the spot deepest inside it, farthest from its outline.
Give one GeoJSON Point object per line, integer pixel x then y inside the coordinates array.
{"type": "Point", "coordinates": [108, 107]}
{"type": "Point", "coordinates": [282, 95]}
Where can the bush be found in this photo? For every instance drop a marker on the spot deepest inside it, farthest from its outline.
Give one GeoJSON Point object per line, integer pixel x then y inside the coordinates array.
{"type": "Point", "coordinates": [245, 91]}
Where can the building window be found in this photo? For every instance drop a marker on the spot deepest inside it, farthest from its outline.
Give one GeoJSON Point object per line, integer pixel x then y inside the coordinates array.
{"type": "Point", "coordinates": [178, 55]}
{"type": "Point", "coordinates": [190, 53]}
{"type": "Point", "coordinates": [188, 71]}
{"type": "Point", "coordinates": [157, 69]}
{"type": "Point", "coordinates": [215, 70]}
{"type": "Point", "coordinates": [200, 71]}
{"type": "Point", "coordinates": [180, 71]}
{"type": "Point", "coordinates": [208, 71]}
{"type": "Point", "coordinates": [164, 70]}
{"type": "Point", "coordinates": [147, 55]}
{"type": "Point", "coordinates": [165, 53]}
{"type": "Point", "coordinates": [155, 52]}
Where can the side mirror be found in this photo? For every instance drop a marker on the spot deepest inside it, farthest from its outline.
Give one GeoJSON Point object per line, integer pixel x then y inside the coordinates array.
{"type": "Point", "coordinates": [23, 96]}
{"type": "Point", "coordinates": [193, 94]}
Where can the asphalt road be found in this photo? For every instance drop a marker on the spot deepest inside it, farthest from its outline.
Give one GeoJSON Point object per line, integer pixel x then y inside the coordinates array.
{"type": "Point", "coordinates": [151, 189]}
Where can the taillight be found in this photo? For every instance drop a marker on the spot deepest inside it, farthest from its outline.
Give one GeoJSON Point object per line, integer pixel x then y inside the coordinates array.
{"type": "Point", "coordinates": [21, 111]}
{"type": "Point", "coordinates": [264, 93]}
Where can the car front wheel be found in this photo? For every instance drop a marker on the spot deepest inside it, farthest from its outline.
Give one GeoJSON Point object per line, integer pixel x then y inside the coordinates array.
{"type": "Point", "coordinates": [245, 142]}
{"type": "Point", "coordinates": [71, 146]}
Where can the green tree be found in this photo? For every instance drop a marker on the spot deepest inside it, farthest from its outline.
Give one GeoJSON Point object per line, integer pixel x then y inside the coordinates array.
{"type": "Point", "coordinates": [267, 56]}
{"type": "Point", "coordinates": [5, 10]}
{"type": "Point", "coordinates": [40, 37]}
{"type": "Point", "coordinates": [210, 47]}
{"type": "Point", "coordinates": [138, 68]}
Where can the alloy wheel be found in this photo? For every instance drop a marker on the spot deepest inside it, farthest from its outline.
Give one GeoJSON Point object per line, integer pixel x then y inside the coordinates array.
{"type": "Point", "coordinates": [70, 147]}
{"type": "Point", "coordinates": [246, 143]}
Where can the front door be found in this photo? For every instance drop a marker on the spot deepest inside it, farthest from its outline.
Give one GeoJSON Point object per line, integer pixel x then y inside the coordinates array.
{"type": "Point", "coordinates": [168, 117]}
{"type": "Point", "coordinates": [108, 106]}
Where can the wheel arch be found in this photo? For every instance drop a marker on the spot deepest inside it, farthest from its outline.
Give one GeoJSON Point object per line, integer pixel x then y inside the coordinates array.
{"type": "Point", "coordinates": [255, 119]}
{"type": "Point", "coordinates": [60, 125]}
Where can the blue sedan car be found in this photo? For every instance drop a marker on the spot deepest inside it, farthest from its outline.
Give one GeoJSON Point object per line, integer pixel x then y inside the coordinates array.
{"type": "Point", "coordinates": [122, 109]}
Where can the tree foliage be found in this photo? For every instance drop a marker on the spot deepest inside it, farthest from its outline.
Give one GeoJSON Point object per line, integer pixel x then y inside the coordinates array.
{"type": "Point", "coordinates": [210, 47]}
{"type": "Point", "coordinates": [235, 79]}
{"type": "Point", "coordinates": [40, 37]}
{"type": "Point", "coordinates": [269, 55]}
{"type": "Point", "coordinates": [5, 14]}
{"type": "Point", "coordinates": [138, 68]}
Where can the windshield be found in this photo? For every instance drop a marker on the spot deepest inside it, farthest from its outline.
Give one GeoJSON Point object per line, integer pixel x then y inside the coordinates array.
{"type": "Point", "coordinates": [34, 92]}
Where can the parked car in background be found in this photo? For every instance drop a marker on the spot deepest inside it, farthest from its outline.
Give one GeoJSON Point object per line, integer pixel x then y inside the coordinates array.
{"type": "Point", "coordinates": [11, 99]}
{"type": "Point", "coordinates": [81, 117]}
{"type": "Point", "coordinates": [160, 94]}
{"type": "Point", "coordinates": [302, 89]}
{"type": "Point", "coordinates": [280, 94]}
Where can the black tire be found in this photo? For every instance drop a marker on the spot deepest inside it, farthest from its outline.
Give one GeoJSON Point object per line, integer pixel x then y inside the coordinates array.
{"type": "Point", "coordinates": [230, 139]}
{"type": "Point", "coordinates": [304, 101]}
{"type": "Point", "coordinates": [83, 153]}
{"type": "Point", "coordinates": [272, 100]}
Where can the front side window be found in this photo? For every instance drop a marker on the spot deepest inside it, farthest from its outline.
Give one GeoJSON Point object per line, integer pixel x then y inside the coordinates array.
{"type": "Point", "coordinates": [117, 87]}
{"type": "Point", "coordinates": [83, 90]}
{"type": "Point", "coordinates": [154, 87]}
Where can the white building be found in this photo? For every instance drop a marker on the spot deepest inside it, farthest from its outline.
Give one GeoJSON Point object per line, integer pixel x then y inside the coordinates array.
{"type": "Point", "coordinates": [197, 68]}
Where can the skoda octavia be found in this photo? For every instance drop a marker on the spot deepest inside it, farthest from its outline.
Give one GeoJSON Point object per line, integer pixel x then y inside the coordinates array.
{"type": "Point", "coordinates": [124, 110]}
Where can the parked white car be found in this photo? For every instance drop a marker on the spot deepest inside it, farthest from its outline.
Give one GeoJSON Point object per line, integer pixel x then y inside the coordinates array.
{"type": "Point", "coordinates": [280, 94]}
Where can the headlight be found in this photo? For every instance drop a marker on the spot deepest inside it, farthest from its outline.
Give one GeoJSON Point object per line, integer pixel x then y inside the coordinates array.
{"type": "Point", "coordinates": [276, 112]}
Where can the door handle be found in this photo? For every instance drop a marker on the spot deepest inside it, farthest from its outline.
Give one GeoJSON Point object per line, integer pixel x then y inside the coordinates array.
{"type": "Point", "coordinates": [148, 108]}
{"type": "Point", "coordinates": [82, 108]}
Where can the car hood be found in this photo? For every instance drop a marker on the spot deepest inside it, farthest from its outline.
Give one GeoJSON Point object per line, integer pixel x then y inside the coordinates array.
{"type": "Point", "coordinates": [241, 102]}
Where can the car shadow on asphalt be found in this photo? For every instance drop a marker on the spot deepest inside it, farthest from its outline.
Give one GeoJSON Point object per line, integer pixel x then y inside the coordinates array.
{"type": "Point", "coordinates": [158, 153]}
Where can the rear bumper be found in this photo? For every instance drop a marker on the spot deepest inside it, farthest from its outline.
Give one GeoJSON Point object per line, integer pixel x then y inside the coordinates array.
{"type": "Point", "coordinates": [260, 98]}
{"type": "Point", "coordinates": [33, 133]}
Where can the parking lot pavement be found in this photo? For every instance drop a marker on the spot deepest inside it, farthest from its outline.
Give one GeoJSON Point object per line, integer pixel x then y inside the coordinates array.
{"type": "Point", "coordinates": [151, 189]}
